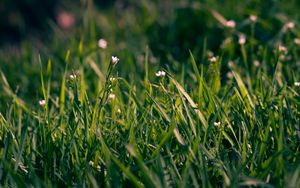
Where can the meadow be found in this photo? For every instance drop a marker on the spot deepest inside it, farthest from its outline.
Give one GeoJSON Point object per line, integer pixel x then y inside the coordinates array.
{"type": "Point", "coordinates": [155, 94]}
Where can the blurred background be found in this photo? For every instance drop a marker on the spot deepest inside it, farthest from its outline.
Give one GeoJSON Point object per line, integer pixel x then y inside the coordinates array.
{"type": "Point", "coordinates": [170, 28]}
{"type": "Point", "coordinates": [27, 18]}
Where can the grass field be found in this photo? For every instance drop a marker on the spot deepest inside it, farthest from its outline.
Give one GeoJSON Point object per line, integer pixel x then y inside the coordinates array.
{"type": "Point", "coordinates": [176, 94]}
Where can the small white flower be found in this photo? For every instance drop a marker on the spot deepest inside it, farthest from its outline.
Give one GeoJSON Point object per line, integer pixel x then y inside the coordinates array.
{"type": "Point", "coordinates": [271, 129]}
{"type": "Point", "coordinates": [112, 79]}
{"type": "Point", "coordinates": [282, 49]}
{"type": "Point", "coordinates": [297, 41]}
{"type": "Point", "coordinates": [217, 124]}
{"type": "Point", "coordinates": [230, 24]}
{"type": "Point", "coordinates": [114, 60]}
{"type": "Point", "coordinates": [119, 110]}
{"type": "Point", "coordinates": [72, 76]}
{"type": "Point", "coordinates": [229, 75]}
{"type": "Point", "coordinates": [213, 59]}
{"type": "Point", "coordinates": [290, 25]}
{"type": "Point", "coordinates": [102, 43]}
{"type": "Point", "coordinates": [256, 63]}
{"type": "Point", "coordinates": [98, 168]}
{"type": "Point", "coordinates": [297, 84]}
{"type": "Point", "coordinates": [253, 18]}
{"type": "Point", "coordinates": [230, 64]}
{"type": "Point", "coordinates": [42, 103]}
{"type": "Point", "coordinates": [242, 39]}
{"type": "Point", "coordinates": [91, 163]}
{"type": "Point", "coordinates": [249, 146]}
{"type": "Point", "coordinates": [111, 96]}
{"type": "Point", "coordinates": [160, 74]}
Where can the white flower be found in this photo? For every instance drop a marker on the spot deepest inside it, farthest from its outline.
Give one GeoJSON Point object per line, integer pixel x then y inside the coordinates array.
{"type": "Point", "coordinates": [230, 64]}
{"type": "Point", "coordinates": [242, 39]}
{"type": "Point", "coordinates": [217, 124]}
{"type": "Point", "coordinates": [290, 25]}
{"type": "Point", "coordinates": [72, 76]}
{"type": "Point", "coordinates": [282, 49]}
{"type": "Point", "coordinates": [249, 146]}
{"type": "Point", "coordinates": [112, 79]}
{"type": "Point", "coordinates": [42, 103]}
{"type": "Point", "coordinates": [230, 24]}
{"type": "Point", "coordinates": [229, 75]}
{"type": "Point", "coordinates": [297, 41]}
{"type": "Point", "coordinates": [98, 168]}
{"type": "Point", "coordinates": [213, 59]}
{"type": "Point", "coordinates": [102, 43]}
{"type": "Point", "coordinates": [253, 18]}
{"type": "Point", "coordinates": [297, 84]}
{"type": "Point", "coordinates": [114, 60]}
{"type": "Point", "coordinates": [119, 110]}
{"type": "Point", "coordinates": [256, 63]}
{"type": "Point", "coordinates": [160, 74]}
{"type": "Point", "coordinates": [111, 96]}
{"type": "Point", "coordinates": [91, 163]}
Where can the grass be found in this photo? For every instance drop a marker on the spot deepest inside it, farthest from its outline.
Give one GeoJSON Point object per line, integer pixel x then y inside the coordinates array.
{"type": "Point", "coordinates": [228, 121]}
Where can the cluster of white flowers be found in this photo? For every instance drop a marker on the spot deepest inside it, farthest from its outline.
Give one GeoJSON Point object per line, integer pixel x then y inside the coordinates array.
{"type": "Point", "coordinates": [102, 43]}
{"type": "Point", "coordinates": [114, 60]}
{"type": "Point", "coordinates": [297, 84]}
{"type": "Point", "coordinates": [160, 74]}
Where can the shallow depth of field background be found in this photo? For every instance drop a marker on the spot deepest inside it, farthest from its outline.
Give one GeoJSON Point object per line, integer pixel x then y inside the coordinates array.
{"type": "Point", "coordinates": [152, 135]}
{"type": "Point", "coordinates": [169, 28]}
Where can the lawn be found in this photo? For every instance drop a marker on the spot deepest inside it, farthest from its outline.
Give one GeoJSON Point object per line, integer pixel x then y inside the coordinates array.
{"type": "Point", "coordinates": [149, 93]}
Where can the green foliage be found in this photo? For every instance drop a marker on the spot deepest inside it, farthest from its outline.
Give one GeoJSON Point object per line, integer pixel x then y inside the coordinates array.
{"type": "Point", "coordinates": [221, 112]}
